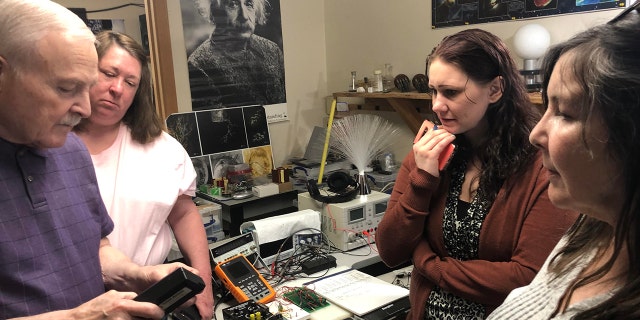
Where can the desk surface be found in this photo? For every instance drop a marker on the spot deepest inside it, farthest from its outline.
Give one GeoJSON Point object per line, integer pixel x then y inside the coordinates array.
{"type": "Point", "coordinates": [233, 202]}
{"type": "Point", "coordinates": [359, 258]}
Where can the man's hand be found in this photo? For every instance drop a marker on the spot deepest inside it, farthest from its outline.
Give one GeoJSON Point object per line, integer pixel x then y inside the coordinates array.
{"type": "Point", "coordinates": [116, 305]}
{"type": "Point", "coordinates": [149, 275]}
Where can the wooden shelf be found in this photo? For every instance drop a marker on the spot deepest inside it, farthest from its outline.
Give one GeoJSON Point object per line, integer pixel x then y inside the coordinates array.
{"type": "Point", "coordinates": [412, 107]}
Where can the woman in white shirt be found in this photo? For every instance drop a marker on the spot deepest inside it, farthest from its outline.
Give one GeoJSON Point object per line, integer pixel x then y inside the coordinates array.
{"type": "Point", "coordinates": [146, 178]}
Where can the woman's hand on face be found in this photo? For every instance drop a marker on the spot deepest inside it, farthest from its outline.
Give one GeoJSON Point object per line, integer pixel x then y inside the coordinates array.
{"type": "Point", "coordinates": [428, 145]}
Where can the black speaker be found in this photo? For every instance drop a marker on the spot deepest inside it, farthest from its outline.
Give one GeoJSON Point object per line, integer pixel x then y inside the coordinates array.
{"type": "Point", "coordinates": [340, 183]}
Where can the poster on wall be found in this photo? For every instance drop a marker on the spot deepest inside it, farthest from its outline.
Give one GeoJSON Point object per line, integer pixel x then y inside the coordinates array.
{"type": "Point", "coordinates": [448, 13]}
{"type": "Point", "coordinates": [218, 138]}
{"type": "Point", "coordinates": [235, 54]}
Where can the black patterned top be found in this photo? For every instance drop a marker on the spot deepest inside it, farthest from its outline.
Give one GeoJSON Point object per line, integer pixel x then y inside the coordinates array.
{"type": "Point", "coordinates": [461, 230]}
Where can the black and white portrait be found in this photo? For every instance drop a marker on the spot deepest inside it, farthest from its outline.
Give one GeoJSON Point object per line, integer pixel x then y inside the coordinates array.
{"type": "Point", "coordinates": [234, 50]}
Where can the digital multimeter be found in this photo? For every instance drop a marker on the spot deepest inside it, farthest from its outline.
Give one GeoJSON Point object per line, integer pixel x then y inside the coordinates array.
{"type": "Point", "coordinates": [173, 290]}
{"type": "Point", "coordinates": [242, 279]}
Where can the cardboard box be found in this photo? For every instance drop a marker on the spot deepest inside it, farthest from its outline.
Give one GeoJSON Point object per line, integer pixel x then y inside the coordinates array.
{"type": "Point", "coordinates": [285, 186]}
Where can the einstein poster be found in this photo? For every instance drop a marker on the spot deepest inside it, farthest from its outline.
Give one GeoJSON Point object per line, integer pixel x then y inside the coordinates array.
{"type": "Point", "coordinates": [234, 53]}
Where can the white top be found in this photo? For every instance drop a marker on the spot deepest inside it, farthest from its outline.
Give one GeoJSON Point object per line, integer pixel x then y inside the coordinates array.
{"type": "Point", "coordinates": [540, 299]}
{"type": "Point", "coordinates": [139, 185]}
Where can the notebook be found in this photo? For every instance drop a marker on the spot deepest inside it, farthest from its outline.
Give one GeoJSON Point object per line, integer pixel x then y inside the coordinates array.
{"type": "Point", "coordinates": [356, 291]}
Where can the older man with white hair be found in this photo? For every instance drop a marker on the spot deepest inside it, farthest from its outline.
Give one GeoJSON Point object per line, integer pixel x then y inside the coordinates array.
{"type": "Point", "coordinates": [56, 262]}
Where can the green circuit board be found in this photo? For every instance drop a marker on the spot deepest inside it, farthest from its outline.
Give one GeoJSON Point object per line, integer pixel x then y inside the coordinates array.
{"type": "Point", "coordinates": [307, 299]}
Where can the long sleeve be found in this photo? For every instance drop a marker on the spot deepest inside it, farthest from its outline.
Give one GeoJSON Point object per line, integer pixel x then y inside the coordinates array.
{"type": "Point", "coordinates": [516, 236]}
{"type": "Point", "coordinates": [489, 280]}
{"type": "Point", "coordinates": [403, 223]}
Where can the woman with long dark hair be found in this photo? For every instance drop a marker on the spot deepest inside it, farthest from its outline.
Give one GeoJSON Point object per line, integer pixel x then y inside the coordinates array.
{"type": "Point", "coordinates": [484, 225]}
{"type": "Point", "coordinates": [589, 138]}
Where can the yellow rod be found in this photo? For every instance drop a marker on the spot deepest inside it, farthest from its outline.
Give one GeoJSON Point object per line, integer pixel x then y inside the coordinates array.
{"type": "Point", "coordinates": [326, 140]}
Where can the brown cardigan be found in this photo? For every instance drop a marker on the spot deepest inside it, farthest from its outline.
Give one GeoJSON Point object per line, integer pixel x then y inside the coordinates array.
{"type": "Point", "coordinates": [517, 235]}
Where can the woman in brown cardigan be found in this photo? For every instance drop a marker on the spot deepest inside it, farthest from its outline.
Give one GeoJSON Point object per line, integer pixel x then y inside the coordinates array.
{"type": "Point", "coordinates": [484, 225]}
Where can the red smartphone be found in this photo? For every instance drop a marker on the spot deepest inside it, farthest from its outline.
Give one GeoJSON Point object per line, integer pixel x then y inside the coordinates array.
{"type": "Point", "coordinates": [445, 156]}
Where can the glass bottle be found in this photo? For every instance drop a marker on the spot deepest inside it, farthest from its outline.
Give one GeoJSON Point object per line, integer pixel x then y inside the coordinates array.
{"type": "Point", "coordinates": [378, 84]}
{"type": "Point", "coordinates": [388, 77]}
{"type": "Point", "coordinates": [367, 86]}
{"type": "Point", "coordinates": [352, 85]}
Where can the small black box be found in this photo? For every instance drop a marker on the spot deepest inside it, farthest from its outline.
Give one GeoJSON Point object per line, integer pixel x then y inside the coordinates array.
{"type": "Point", "coordinates": [318, 264]}
{"type": "Point", "coordinates": [173, 290]}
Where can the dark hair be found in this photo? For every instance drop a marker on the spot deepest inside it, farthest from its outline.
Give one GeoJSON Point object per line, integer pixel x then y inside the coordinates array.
{"type": "Point", "coordinates": [506, 150]}
{"type": "Point", "coordinates": [141, 117]}
{"type": "Point", "coordinates": [605, 63]}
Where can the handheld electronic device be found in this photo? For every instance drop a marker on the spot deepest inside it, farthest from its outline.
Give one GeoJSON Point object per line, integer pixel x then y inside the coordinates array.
{"type": "Point", "coordinates": [244, 282]}
{"type": "Point", "coordinates": [173, 290]}
{"type": "Point", "coordinates": [446, 154]}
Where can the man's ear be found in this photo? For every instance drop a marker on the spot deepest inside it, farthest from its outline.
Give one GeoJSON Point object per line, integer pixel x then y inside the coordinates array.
{"type": "Point", "coordinates": [496, 88]}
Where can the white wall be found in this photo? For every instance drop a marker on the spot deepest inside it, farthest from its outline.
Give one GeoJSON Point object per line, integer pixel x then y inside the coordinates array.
{"type": "Point", "coordinates": [325, 40]}
{"type": "Point", "coordinates": [363, 35]}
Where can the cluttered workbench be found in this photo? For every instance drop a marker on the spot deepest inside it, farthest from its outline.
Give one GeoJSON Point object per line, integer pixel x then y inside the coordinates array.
{"type": "Point", "coordinates": [237, 211]}
{"type": "Point", "coordinates": [358, 286]}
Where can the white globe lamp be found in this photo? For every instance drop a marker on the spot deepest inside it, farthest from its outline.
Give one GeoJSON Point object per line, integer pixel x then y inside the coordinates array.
{"type": "Point", "coordinates": [531, 41]}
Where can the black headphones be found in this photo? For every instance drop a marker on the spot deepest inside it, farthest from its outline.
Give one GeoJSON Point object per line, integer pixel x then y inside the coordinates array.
{"type": "Point", "coordinates": [340, 183]}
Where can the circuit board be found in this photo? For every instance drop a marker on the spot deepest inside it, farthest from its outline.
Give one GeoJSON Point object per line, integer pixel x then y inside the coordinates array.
{"type": "Point", "coordinates": [307, 299]}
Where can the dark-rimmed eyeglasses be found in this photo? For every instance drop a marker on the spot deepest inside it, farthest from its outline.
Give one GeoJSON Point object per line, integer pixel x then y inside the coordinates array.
{"type": "Point", "coordinates": [624, 12]}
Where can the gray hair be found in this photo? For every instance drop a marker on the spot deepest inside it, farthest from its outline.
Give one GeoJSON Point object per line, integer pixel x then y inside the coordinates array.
{"type": "Point", "coordinates": [205, 7]}
{"type": "Point", "coordinates": [24, 22]}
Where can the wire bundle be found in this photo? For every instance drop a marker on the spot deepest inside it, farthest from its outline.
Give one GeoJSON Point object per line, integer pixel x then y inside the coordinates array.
{"type": "Point", "coordinates": [282, 270]}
